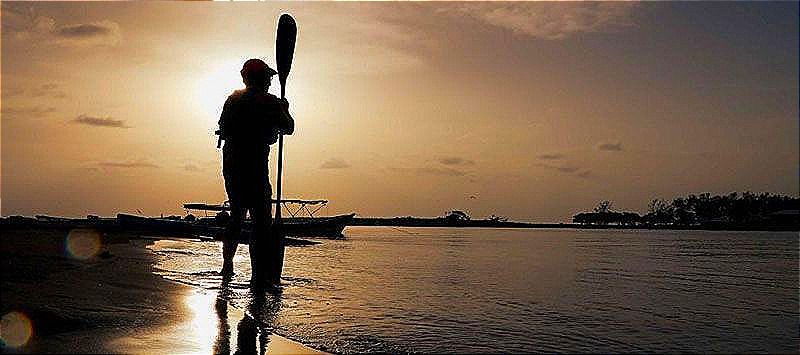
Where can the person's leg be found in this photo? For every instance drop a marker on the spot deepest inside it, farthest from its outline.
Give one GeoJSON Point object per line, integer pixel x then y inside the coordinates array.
{"type": "Point", "coordinates": [272, 241]}
{"type": "Point", "coordinates": [231, 239]}
{"type": "Point", "coordinates": [260, 243]}
{"type": "Point", "coordinates": [254, 247]}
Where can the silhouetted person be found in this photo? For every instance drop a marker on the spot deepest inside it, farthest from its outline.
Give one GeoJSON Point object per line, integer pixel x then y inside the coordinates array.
{"type": "Point", "coordinates": [251, 120]}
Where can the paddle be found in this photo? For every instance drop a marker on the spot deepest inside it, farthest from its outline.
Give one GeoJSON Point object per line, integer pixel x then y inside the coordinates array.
{"type": "Point", "coordinates": [284, 53]}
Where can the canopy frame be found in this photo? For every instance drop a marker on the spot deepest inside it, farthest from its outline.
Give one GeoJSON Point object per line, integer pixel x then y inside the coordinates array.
{"type": "Point", "coordinates": [309, 206]}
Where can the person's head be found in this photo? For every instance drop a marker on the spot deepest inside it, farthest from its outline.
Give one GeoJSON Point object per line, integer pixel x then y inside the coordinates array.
{"type": "Point", "coordinates": [256, 73]}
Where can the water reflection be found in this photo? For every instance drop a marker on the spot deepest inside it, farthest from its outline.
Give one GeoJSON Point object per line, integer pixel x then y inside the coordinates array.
{"type": "Point", "coordinates": [517, 291]}
{"type": "Point", "coordinates": [253, 331]}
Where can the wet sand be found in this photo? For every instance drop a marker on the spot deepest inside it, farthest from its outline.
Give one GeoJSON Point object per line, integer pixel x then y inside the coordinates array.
{"type": "Point", "coordinates": [90, 293]}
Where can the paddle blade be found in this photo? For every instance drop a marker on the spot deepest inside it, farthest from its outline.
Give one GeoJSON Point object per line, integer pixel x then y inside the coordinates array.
{"type": "Point", "coordinates": [284, 46]}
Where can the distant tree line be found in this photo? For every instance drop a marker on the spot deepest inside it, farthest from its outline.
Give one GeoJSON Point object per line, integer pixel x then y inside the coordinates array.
{"type": "Point", "coordinates": [454, 218]}
{"type": "Point", "coordinates": [704, 210]}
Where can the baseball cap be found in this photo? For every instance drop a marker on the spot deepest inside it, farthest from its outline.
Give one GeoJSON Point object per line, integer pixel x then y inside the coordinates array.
{"type": "Point", "coordinates": [256, 67]}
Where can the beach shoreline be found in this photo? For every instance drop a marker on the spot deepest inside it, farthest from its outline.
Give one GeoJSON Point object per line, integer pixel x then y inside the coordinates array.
{"type": "Point", "coordinates": [87, 292]}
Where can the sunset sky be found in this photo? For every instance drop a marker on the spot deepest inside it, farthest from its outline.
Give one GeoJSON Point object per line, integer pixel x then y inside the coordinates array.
{"type": "Point", "coordinates": [537, 110]}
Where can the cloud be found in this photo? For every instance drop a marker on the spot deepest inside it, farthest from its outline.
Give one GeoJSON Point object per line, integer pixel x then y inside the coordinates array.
{"type": "Point", "coordinates": [99, 121]}
{"type": "Point", "coordinates": [49, 89]}
{"type": "Point", "coordinates": [430, 170]}
{"type": "Point", "coordinates": [613, 146]}
{"type": "Point", "coordinates": [334, 163]}
{"type": "Point", "coordinates": [440, 171]}
{"type": "Point", "coordinates": [102, 33]}
{"type": "Point", "coordinates": [44, 90]}
{"type": "Point", "coordinates": [31, 111]}
{"type": "Point", "coordinates": [85, 30]}
{"type": "Point", "coordinates": [568, 169]}
{"type": "Point", "coordinates": [551, 156]}
{"type": "Point", "coordinates": [193, 165]}
{"type": "Point", "coordinates": [127, 164]}
{"type": "Point", "coordinates": [456, 161]}
{"type": "Point", "coordinates": [9, 92]}
{"type": "Point", "coordinates": [15, 16]}
{"type": "Point", "coordinates": [27, 25]}
{"type": "Point", "coordinates": [551, 21]}
{"type": "Point", "coordinates": [383, 42]}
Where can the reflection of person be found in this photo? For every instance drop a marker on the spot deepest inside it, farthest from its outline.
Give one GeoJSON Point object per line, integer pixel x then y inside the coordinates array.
{"type": "Point", "coordinates": [252, 331]}
{"type": "Point", "coordinates": [222, 344]}
{"type": "Point", "coordinates": [251, 120]}
{"type": "Point", "coordinates": [246, 333]}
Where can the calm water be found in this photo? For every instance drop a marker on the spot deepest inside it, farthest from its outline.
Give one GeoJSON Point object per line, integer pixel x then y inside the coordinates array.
{"type": "Point", "coordinates": [505, 290]}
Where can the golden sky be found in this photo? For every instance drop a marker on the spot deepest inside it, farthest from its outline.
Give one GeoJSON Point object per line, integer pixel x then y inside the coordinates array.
{"type": "Point", "coordinates": [537, 110]}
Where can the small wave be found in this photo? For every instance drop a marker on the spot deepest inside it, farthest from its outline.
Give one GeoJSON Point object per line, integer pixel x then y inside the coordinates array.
{"type": "Point", "coordinates": [206, 273]}
{"type": "Point", "coordinates": [298, 280]}
{"type": "Point", "coordinates": [181, 252]}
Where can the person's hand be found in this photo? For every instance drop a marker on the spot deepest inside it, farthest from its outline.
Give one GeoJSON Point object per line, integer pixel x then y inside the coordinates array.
{"type": "Point", "coordinates": [285, 103]}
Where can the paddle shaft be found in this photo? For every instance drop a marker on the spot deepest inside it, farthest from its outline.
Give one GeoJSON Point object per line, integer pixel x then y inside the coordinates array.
{"type": "Point", "coordinates": [279, 179]}
{"type": "Point", "coordinates": [284, 53]}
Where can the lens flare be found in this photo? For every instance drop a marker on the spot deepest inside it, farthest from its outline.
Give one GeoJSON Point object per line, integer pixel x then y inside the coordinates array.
{"type": "Point", "coordinates": [15, 330]}
{"type": "Point", "coordinates": [83, 244]}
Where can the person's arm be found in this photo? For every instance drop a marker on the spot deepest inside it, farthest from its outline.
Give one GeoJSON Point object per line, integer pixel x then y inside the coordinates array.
{"type": "Point", "coordinates": [286, 122]}
{"type": "Point", "coordinates": [224, 121]}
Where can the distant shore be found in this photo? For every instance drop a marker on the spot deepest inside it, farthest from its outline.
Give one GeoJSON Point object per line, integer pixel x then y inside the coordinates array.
{"type": "Point", "coordinates": [184, 229]}
{"type": "Point", "coordinates": [488, 223]}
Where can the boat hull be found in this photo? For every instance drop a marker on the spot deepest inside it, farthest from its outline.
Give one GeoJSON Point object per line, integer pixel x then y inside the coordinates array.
{"type": "Point", "coordinates": [327, 227]}
{"type": "Point", "coordinates": [306, 227]}
{"type": "Point", "coordinates": [317, 227]}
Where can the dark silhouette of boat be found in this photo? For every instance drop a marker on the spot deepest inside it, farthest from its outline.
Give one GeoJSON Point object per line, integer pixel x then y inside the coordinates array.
{"type": "Point", "coordinates": [295, 225]}
{"type": "Point", "coordinates": [308, 227]}
{"type": "Point", "coordinates": [213, 227]}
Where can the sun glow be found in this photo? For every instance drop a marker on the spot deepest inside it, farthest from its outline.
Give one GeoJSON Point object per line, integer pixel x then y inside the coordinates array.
{"type": "Point", "coordinates": [219, 81]}
{"type": "Point", "coordinates": [221, 78]}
